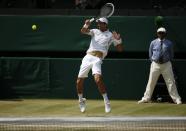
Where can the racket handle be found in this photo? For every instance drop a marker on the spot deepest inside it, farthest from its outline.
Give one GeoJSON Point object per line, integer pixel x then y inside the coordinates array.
{"type": "Point", "coordinates": [91, 20]}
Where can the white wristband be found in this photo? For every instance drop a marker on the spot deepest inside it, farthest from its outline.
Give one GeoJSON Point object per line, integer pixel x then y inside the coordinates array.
{"type": "Point", "coordinates": [118, 41]}
{"type": "Point", "coordinates": [85, 26]}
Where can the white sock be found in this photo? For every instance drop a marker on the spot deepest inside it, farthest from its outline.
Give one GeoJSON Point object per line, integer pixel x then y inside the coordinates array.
{"type": "Point", "coordinates": [80, 97]}
{"type": "Point", "coordinates": [105, 97]}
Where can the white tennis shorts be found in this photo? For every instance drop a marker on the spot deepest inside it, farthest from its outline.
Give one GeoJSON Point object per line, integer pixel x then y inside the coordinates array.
{"type": "Point", "coordinates": [90, 62]}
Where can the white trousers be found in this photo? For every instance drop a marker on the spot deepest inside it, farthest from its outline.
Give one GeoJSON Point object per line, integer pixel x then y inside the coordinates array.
{"type": "Point", "coordinates": [167, 73]}
{"type": "Point", "coordinates": [90, 62]}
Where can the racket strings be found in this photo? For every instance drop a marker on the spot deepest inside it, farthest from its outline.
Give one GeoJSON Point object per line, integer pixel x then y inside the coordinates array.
{"type": "Point", "coordinates": [106, 11]}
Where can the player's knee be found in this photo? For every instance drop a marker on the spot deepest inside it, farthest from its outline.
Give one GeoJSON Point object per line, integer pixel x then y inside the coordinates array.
{"type": "Point", "coordinates": [98, 80]}
{"type": "Point", "coordinates": [79, 81]}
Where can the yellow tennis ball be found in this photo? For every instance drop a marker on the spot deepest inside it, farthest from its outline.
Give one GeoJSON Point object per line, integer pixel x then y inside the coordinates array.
{"type": "Point", "coordinates": [34, 27]}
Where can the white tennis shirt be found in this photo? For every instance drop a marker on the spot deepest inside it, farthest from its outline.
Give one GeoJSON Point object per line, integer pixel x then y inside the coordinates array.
{"type": "Point", "coordinates": [101, 41]}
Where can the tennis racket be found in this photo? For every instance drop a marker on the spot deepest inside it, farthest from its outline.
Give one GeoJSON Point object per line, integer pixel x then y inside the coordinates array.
{"type": "Point", "coordinates": [106, 11]}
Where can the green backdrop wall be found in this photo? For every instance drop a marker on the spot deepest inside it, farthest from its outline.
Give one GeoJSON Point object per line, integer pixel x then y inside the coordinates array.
{"type": "Point", "coordinates": [62, 33]}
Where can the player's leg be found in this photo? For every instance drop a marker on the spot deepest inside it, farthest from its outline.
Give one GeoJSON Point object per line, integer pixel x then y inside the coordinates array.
{"type": "Point", "coordinates": [96, 71]}
{"type": "Point", "coordinates": [170, 82]}
{"type": "Point", "coordinates": [83, 73]}
{"type": "Point", "coordinates": [102, 89]}
{"type": "Point", "coordinates": [99, 82]}
{"type": "Point", "coordinates": [79, 86]}
{"type": "Point", "coordinates": [153, 77]}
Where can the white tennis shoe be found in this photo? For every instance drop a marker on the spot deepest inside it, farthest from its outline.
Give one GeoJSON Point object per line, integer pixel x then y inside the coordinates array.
{"type": "Point", "coordinates": [178, 102]}
{"type": "Point", "coordinates": [107, 107]}
{"type": "Point", "coordinates": [82, 105]}
{"type": "Point", "coordinates": [143, 101]}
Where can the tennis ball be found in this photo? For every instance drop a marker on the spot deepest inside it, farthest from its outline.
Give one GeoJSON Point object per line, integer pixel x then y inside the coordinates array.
{"type": "Point", "coordinates": [34, 27]}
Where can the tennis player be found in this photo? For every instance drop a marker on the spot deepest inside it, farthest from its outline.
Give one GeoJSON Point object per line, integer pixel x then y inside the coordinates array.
{"type": "Point", "coordinates": [101, 39]}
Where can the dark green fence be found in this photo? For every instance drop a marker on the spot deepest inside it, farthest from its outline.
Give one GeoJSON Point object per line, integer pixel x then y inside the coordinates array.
{"type": "Point", "coordinates": [55, 78]}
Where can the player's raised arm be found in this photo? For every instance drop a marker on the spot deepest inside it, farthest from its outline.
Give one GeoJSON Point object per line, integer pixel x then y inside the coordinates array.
{"type": "Point", "coordinates": [117, 41]}
{"type": "Point", "coordinates": [85, 29]}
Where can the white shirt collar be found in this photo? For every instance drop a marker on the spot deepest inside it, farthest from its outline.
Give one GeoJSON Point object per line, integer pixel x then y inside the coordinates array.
{"type": "Point", "coordinates": [160, 39]}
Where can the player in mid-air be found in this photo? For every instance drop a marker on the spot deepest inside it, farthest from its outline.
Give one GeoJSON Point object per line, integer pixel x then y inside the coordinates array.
{"type": "Point", "coordinates": [101, 39]}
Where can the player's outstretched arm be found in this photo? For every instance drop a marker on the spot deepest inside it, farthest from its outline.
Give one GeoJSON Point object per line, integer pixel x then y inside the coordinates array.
{"type": "Point", "coordinates": [85, 29]}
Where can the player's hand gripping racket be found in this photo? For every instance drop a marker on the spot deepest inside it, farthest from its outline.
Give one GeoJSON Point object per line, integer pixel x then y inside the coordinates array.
{"type": "Point", "coordinates": [106, 11]}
